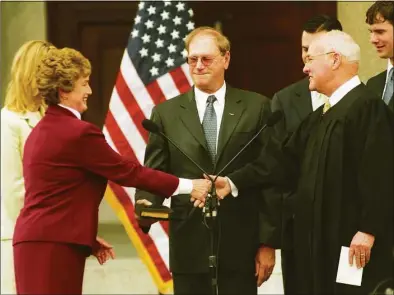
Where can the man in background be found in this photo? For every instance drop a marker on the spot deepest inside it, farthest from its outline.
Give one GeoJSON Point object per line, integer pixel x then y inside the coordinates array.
{"type": "Point", "coordinates": [380, 17]}
{"type": "Point", "coordinates": [296, 102]}
{"type": "Point", "coordinates": [211, 123]}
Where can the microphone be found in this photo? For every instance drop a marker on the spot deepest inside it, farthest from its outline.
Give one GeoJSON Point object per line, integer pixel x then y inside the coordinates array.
{"type": "Point", "coordinates": [150, 126]}
{"type": "Point", "coordinates": [274, 118]}
{"type": "Point", "coordinates": [154, 128]}
{"type": "Point", "coordinates": [211, 202]}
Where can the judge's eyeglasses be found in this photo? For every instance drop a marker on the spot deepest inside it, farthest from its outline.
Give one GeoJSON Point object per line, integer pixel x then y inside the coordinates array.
{"type": "Point", "coordinates": [309, 58]}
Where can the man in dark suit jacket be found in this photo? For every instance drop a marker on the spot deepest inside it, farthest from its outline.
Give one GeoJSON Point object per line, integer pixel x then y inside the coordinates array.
{"type": "Point", "coordinates": [380, 17]}
{"type": "Point", "coordinates": [238, 116]}
{"type": "Point", "coordinates": [297, 102]}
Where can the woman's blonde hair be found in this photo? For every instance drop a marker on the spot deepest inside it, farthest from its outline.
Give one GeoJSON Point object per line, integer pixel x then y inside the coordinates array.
{"type": "Point", "coordinates": [22, 94]}
{"type": "Point", "coordinates": [60, 69]}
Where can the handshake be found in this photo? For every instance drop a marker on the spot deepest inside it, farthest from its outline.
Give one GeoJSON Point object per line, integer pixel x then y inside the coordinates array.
{"type": "Point", "coordinates": [198, 195]}
{"type": "Point", "coordinates": [201, 188]}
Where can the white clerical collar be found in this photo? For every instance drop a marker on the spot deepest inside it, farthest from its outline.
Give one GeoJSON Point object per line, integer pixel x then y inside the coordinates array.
{"type": "Point", "coordinates": [201, 96]}
{"type": "Point", "coordinates": [75, 112]}
{"type": "Point", "coordinates": [344, 89]}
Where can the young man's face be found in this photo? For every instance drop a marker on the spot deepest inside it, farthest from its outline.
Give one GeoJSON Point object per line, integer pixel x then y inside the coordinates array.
{"type": "Point", "coordinates": [381, 36]}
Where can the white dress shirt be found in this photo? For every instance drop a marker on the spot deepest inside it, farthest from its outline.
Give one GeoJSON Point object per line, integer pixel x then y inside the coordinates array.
{"type": "Point", "coordinates": [343, 90]}
{"type": "Point", "coordinates": [75, 112]}
{"type": "Point", "coordinates": [318, 99]}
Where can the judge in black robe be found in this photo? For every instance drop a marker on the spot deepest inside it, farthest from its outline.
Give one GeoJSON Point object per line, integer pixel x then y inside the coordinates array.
{"type": "Point", "coordinates": [344, 187]}
{"type": "Point", "coordinates": [341, 164]}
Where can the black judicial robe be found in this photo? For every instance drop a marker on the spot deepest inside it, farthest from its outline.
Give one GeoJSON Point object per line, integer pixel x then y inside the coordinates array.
{"type": "Point", "coordinates": [342, 166]}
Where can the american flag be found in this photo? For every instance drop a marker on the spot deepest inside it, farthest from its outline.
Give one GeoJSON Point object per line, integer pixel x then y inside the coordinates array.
{"type": "Point", "coordinates": [152, 70]}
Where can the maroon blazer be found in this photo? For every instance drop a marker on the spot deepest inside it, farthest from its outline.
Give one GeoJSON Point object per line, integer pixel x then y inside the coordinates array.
{"type": "Point", "coordinates": [66, 165]}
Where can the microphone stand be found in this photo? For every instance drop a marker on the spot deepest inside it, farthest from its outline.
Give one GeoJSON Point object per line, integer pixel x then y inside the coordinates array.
{"type": "Point", "coordinates": [210, 212]}
{"type": "Point", "coordinates": [210, 209]}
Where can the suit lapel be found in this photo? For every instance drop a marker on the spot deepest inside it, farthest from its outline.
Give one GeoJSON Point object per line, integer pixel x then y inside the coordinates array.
{"type": "Point", "coordinates": [233, 110]}
{"type": "Point", "coordinates": [189, 117]}
{"type": "Point", "coordinates": [381, 83]}
{"type": "Point", "coordinates": [303, 103]}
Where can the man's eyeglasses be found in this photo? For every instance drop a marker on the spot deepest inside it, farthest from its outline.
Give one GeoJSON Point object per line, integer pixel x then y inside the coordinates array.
{"type": "Point", "coordinates": [205, 60]}
{"type": "Point", "coordinates": [309, 58]}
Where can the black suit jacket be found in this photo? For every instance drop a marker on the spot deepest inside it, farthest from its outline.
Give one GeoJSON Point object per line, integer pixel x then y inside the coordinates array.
{"type": "Point", "coordinates": [244, 113]}
{"type": "Point", "coordinates": [377, 83]}
{"type": "Point", "coordinates": [295, 103]}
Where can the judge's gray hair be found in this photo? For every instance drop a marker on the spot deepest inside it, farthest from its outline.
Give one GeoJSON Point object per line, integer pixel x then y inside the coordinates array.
{"type": "Point", "coordinates": [340, 42]}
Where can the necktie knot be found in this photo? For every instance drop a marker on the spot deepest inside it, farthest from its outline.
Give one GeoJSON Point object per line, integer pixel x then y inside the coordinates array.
{"type": "Point", "coordinates": [327, 104]}
{"type": "Point", "coordinates": [211, 99]}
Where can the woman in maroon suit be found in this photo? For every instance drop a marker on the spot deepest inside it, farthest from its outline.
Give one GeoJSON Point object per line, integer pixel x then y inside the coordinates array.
{"type": "Point", "coordinates": [66, 164]}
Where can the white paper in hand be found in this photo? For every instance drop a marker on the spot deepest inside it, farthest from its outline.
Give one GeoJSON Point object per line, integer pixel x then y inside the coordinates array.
{"type": "Point", "coordinates": [347, 274]}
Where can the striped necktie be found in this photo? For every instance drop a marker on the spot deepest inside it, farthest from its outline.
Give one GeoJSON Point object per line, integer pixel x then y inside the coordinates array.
{"type": "Point", "coordinates": [209, 125]}
{"type": "Point", "coordinates": [388, 92]}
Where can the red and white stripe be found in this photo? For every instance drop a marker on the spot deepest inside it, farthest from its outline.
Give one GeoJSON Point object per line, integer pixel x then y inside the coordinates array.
{"type": "Point", "coordinates": [130, 103]}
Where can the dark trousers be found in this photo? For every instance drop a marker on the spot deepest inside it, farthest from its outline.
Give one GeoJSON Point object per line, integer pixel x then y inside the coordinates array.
{"type": "Point", "coordinates": [288, 271]}
{"type": "Point", "coordinates": [49, 268]}
{"type": "Point", "coordinates": [287, 254]}
{"type": "Point", "coordinates": [233, 283]}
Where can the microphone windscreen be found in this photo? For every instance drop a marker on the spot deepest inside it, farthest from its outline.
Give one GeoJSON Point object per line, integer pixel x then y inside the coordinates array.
{"type": "Point", "coordinates": [150, 126]}
{"type": "Point", "coordinates": [274, 118]}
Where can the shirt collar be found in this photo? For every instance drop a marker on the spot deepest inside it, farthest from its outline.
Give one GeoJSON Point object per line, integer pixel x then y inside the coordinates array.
{"type": "Point", "coordinates": [344, 89]}
{"type": "Point", "coordinates": [389, 67]}
{"type": "Point", "coordinates": [75, 112]}
{"type": "Point", "coordinates": [201, 96]}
